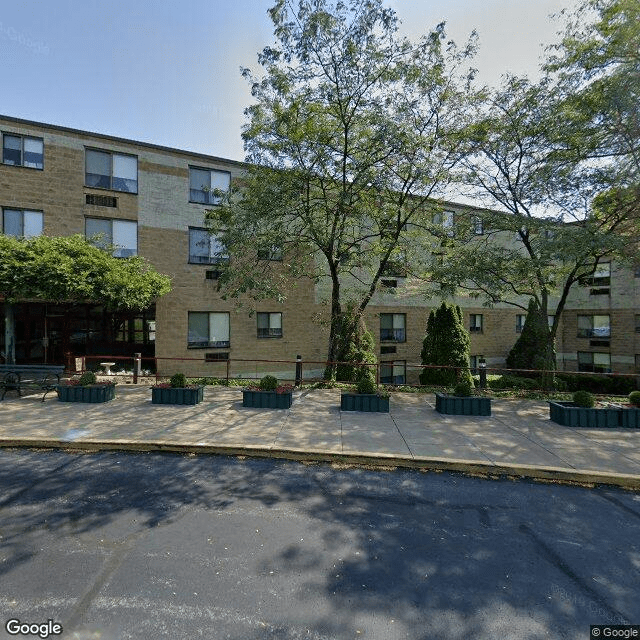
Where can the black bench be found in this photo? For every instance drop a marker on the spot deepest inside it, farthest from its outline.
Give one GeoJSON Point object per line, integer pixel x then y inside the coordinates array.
{"type": "Point", "coordinates": [16, 377]}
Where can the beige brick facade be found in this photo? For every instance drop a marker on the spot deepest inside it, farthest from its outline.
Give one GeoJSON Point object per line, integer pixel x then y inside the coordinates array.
{"type": "Point", "coordinates": [163, 212]}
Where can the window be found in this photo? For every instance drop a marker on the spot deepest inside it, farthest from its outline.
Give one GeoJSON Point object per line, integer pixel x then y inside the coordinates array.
{"type": "Point", "coordinates": [446, 220]}
{"type": "Point", "coordinates": [269, 325]}
{"type": "Point", "coordinates": [216, 356]}
{"type": "Point", "coordinates": [594, 327]}
{"type": "Point", "coordinates": [594, 362]}
{"type": "Point", "coordinates": [21, 223]}
{"type": "Point", "coordinates": [122, 234]}
{"type": "Point", "coordinates": [637, 362]}
{"type": "Point", "coordinates": [101, 201]}
{"type": "Point", "coordinates": [393, 372]}
{"type": "Point", "coordinates": [203, 182]}
{"type": "Point", "coordinates": [474, 362]}
{"type": "Point", "coordinates": [601, 276]}
{"type": "Point", "coordinates": [392, 327]}
{"type": "Point", "coordinates": [550, 321]}
{"type": "Point", "coordinates": [637, 323]}
{"type": "Point", "coordinates": [208, 330]}
{"type": "Point", "coordinates": [394, 269]}
{"type": "Point", "coordinates": [520, 320]}
{"type": "Point", "coordinates": [475, 323]}
{"type": "Point", "coordinates": [205, 248]}
{"type": "Point", "coordinates": [478, 227]}
{"type": "Point", "coordinates": [115, 171]}
{"type": "Point", "coordinates": [23, 151]}
{"type": "Point", "coordinates": [272, 253]}
{"type": "Point", "coordinates": [388, 284]}
{"type": "Point", "coordinates": [388, 349]}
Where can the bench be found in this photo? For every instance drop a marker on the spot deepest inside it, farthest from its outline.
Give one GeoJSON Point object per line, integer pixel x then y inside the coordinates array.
{"type": "Point", "coordinates": [16, 377]}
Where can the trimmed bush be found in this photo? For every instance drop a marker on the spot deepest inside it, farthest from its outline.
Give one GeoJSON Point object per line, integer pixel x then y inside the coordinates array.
{"type": "Point", "coordinates": [367, 384]}
{"type": "Point", "coordinates": [463, 389]}
{"type": "Point", "coordinates": [269, 383]}
{"type": "Point", "coordinates": [583, 399]}
{"type": "Point", "coordinates": [634, 398]}
{"type": "Point", "coordinates": [178, 381]}
{"type": "Point", "coordinates": [87, 378]}
{"type": "Point", "coordinates": [355, 344]}
{"type": "Point", "coordinates": [513, 382]}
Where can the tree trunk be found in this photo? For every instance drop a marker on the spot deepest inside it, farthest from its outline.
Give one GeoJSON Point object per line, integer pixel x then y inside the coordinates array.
{"type": "Point", "coordinates": [334, 333]}
{"type": "Point", "coordinates": [9, 334]}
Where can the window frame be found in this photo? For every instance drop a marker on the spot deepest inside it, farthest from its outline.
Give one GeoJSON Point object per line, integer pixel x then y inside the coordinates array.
{"type": "Point", "coordinates": [473, 327]}
{"type": "Point", "coordinates": [271, 331]}
{"type": "Point", "coordinates": [592, 367]}
{"type": "Point", "coordinates": [590, 331]}
{"type": "Point", "coordinates": [393, 364]}
{"type": "Point", "coordinates": [210, 199]}
{"type": "Point", "coordinates": [521, 319]}
{"type": "Point", "coordinates": [217, 344]}
{"type": "Point", "coordinates": [22, 213]}
{"type": "Point", "coordinates": [394, 339]}
{"type": "Point", "coordinates": [272, 254]}
{"type": "Point", "coordinates": [111, 155]}
{"type": "Point", "coordinates": [22, 140]}
{"type": "Point", "coordinates": [111, 221]}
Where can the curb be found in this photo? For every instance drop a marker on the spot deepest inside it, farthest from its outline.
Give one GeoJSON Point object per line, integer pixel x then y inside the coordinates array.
{"type": "Point", "coordinates": [555, 475]}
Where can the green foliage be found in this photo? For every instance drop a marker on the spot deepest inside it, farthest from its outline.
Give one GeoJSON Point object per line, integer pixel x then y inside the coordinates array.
{"type": "Point", "coordinates": [87, 378]}
{"type": "Point", "coordinates": [446, 344]}
{"type": "Point", "coordinates": [70, 269]}
{"type": "Point", "coordinates": [531, 348]}
{"type": "Point", "coordinates": [583, 399]}
{"type": "Point", "coordinates": [367, 384]}
{"type": "Point", "coordinates": [613, 385]}
{"type": "Point", "coordinates": [634, 398]}
{"type": "Point", "coordinates": [513, 382]}
{"type": "Point", "coordinates": [463, 389]}
{"type": "Point", "coordinates": [269, 383]}
{"type": "Point", "coordinates": [178, 381]}
{"type": "Point", "coordinates": [355, 344]}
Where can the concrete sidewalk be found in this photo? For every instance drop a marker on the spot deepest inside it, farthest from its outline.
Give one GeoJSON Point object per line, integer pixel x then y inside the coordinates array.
{"type": "Point", "coordinates": [517, 440]}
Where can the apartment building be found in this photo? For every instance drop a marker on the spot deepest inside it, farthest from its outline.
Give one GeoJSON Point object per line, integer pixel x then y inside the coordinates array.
{"type": "Point", "coordinates": [150, 200]}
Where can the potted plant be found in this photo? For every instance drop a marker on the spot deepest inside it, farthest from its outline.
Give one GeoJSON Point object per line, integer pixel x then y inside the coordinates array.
{"type": "Point", "coordinates": [583, 412]}
{"type": "Point", "coordinates": [268, 394]}
{"type": "Point", "coordinates": [86, 388]}
{"type": "Point", "coordinates": [366, 397]}
{"type": "Point", "coordinates": [463, 402]}
{"type": "Point", "coordinates": [177, 391]}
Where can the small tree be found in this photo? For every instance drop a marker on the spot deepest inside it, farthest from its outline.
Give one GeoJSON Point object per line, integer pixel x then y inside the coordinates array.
{"type": "Point", "coordinates": [355, 345]}
{"type": "Point", "coordinates": [529, 350]}
{"type": "Point", "coordinates": [446, 344]}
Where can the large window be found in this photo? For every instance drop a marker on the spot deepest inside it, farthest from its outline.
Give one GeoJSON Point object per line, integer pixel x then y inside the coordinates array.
{"type": "Point", "coordinates": [208, 330]}
{"type": "Point", "coordinates": [205, 248]}
{"type": "Point", "coordinates": [115, 171]}
{"type": "Point", "coordinates": [475, 323]}
{"type": "Point", "coordinates": [594, 362]}
{"type": "Point", "coordinates": [204, 182]}
{"type": "Point", "coordinates": [23, 151]}
{"type": "Point", "coordinates": [21, 223]}
{"type": "Point", "coordinates": [269, 325]}
{"type": "Point", "coordinates": [601, 276]}
{"type": "Point", "coordinates": [392, 327]}
{"type": "Point", "coordinates": [446, 219]}
{"type": "Point", "coordinates": [520, 320]}
{"type": "Point", "coordinates": [393, 372]}
{"type": "Point", "coordinates": [122, 234]}
{"type": "Point", "coordinates": [594, 327]}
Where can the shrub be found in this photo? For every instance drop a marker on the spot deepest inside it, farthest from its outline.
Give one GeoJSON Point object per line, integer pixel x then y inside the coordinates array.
{"type": "Point", "coordinates": [513, 382]}
{"type": "Point", "coordinates": [463, 389]}
{"type": "Point", "coordinates": [355, 345]}
{"type": "Point", "coordinates": [532, 349]}
{"type": "Point", "coordinates": [583, 399]}
{"type": "Point", "coordinates": [269, 383]}
{"type": "Point", "coordinates": [367, 384]}
{"type": "Point", "coordinates": [634, 398]}
{"type": "Point", "coordinates": [446, 344]}
{"type": "Point", "coordinates": [605, 385]}
{"type": "Point", "coordinates": [87, 378]}
{"type": "Point", "coordinates": [178, 381]}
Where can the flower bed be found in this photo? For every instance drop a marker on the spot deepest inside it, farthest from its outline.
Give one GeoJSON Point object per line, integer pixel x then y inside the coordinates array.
{"type": "Point", "coordinates": [371, 402]}
{"type": "Point", "coordinates": [569, 414]}
{"type": "Point", "coordinates": [463, 405]}
{"type": "Point", "coordinates": [256, 398]}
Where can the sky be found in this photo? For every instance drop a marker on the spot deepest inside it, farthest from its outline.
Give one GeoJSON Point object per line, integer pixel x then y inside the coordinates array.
{"type": "Point", "coordinates": [168, 72]}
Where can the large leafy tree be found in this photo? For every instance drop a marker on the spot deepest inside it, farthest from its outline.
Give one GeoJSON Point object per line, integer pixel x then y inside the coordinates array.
{"type": "Point", "coordinates": [71, 269]}
{"type": "Point", "coordinates": [354, 129]}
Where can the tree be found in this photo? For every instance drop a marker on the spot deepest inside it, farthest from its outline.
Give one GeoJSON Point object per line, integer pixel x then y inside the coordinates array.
{"type": "Point", "coordinates": [355, 344]}
{"type": "Point", "coordinates": [71, 269]}
{"type": "Point", "coordinates": [446, 344]}
{"type": "Point", "coordinates": [354, 130]}
{"type": "Point", "coordinates": [528, 351]}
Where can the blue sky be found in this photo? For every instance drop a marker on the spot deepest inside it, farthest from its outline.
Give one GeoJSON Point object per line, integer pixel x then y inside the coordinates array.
{"type": "Point", "coordinates": [167, 72]}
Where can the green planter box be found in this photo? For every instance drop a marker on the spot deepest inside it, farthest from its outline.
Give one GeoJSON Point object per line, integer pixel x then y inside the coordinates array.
{"type": "Point", "coordinates": [570, 415]}
{"type": "Point", "coordinates": [463, 405]}
{"type": "Point", "coordinates": [371, 402]}
{"type": "Point", "coordinates": [178, 395]}
{"type": "Point", "coordinates": [99, 393]}
{"type": "Point", "coordinates": [266, 399]}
